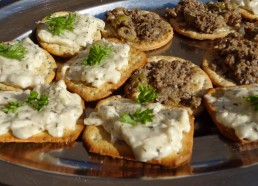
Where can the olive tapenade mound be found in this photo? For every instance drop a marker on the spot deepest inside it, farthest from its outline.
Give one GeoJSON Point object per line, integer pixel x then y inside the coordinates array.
{"type": "Point", "coordinates": [142, 29]}
{"type": "Point", "coordinates": [175, 80]}
{"type": "Point", "coordinates": [24, 65]}
{"type": "Point", "coordinates": [147, 138]}
{"type": "Point", "coordinates": [96, 81]}
{"type": "Point", "coordinates": [48, 113]}
{"type": "Point", "coordinates": [251, 30]}
{"type": "Point", "coordinates": [234, 61]}
{"type": "Point", "coordinates": [234, 110]}
{"type": "Point", "coordinates": [66, 33]}
{"type": "Point", "coordinates": [201, 21]}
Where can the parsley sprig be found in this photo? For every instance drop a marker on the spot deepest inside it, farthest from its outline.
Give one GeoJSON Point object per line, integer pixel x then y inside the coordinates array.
{"type": "Point", "coordinates": [57, 25]}
{"type": "Point", "coordinates": [34, 100]}
{"type": "Point", "coordinates": [253, 99]}
{"type": "Point", "coordinates": [96, 54]}
{"type": "Point", "coordinates": [147, 94]}
{"type": "Point", "coordinates": [37, 102]}
{"type": "Point", "coordinates": [138, 116]}
{"type": "Point", "coordinates": [11, 106]}
{"type": "Point", "coordinates": [13, 51]}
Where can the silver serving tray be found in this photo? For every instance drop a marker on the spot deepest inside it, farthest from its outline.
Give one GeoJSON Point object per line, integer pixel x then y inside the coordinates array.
{"type": "Point", "coordinates": [215, 160]}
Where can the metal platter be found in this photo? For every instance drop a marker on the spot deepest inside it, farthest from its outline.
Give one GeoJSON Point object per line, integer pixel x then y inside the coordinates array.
{"type": "Point", "coordinates": [215, 160]}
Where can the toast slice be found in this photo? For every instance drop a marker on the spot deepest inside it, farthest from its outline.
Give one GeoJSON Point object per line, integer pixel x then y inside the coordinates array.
{"type": "Point", "coordinates": [136, 59]}
{"type": "Point", "coordinates": [147, 30]}
{"type": "Point", "coordinates": [98, 140]}
{"type": "Point", "coordinates": [59, 120]}
{"type": "Point", "coordinates": [234, 116]}
{"type": "Point", "coordinates": [46, 69]}
{"type": "Point", "coordinates": [70, 42]}
{"type": "Point", "coordinates": [176, 81]}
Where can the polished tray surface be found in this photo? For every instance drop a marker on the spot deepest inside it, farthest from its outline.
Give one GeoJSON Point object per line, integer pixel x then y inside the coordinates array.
{"type": "Point", "coordinates": [215, 160]}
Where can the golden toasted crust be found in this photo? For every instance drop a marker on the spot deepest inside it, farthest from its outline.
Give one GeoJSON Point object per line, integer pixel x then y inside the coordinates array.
{"type": "Point", "coordinates": [48, 68]}
{"type": "Point", "coordinates": [90, 93]}
{"type": "Point", "coordinates": [98, 141]}
{"type": "Point", "coordinates": [59, 49]}
{"type": "Point", "coordinates": [43, 137]}
{"type": "Point", "coordinates": [183, 29]}
{"type": "Point", "coordinates": [199, 73]}
{"type": "Point", "coordinates": [144, 45]}
{"type": "Point", "coordinates": [248, 15]}
{"type": "Point", "coordinates": [216, 77]}
{"type": "Point", "coordinates": [226, 131]}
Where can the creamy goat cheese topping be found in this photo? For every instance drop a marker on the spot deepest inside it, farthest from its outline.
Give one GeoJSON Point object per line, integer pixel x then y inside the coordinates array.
{"type": "Point", "coordinates": [61, 113]}
{"type": "Point", "coordinates": [251, 5]}
{"type": "Point", "coordinates": [109, 70]}
{"type": "Point", "coordinates": [234, 111]}
{"type": "Point", "coordinates": [29, 71]}
{"type": "Point", "coordinates": [85, 27]}
{"type": "Point", "coordinates": [152, 140]}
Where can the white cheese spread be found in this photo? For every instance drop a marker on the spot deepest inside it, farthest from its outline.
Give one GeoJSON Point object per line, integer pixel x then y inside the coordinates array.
{"type": "Point", "coordinates": [152, 140]}
{"type": "Point", "coordinates": [61, 113]}
{"type": "Point", "coordinates": [109, 70]}
{"type": "Point", "coordinates": [27, 72]}
{"type": "Point", "coordinates": [234, 111]}
{"type": "Point", "coordinates": [251, 5]}
{"type": "Point", "coordinates": [85, 27]}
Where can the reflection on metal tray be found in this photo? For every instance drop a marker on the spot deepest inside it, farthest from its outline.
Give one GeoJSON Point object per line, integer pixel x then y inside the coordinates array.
{"type": "Point", "coordinates": [215, 160]}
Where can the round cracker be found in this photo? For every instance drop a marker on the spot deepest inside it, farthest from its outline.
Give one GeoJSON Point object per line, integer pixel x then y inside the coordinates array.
{"type": "Point", "coordinates": [58, 49]}
{"type": "Point", "coordinates": [48, 68]}
{"type": "Point", "coordinates": [136, 59]}
{"type": "Point", "coordinates": [226, 131]}
{"type": "Point", "coordinates": [45, 137]}
{"type": "Point", "coordinates": [185, 30]}
{"type": "Point", "coordinates": [165, 36]}
{"type": "Point", "coordinates": [99, 141]}
{"type": "Point", "coordinates": [216, 77]}
{"type": "Point", "coordinates": [198, 92]}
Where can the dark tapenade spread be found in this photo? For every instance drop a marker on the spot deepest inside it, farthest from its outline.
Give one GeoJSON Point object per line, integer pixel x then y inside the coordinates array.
{"type": "Point", "coordinates": [171, 80]}
{"type": "Point", "coordinates": [237, 60]}
{"type": "Point", "coordinates": [251, 30]}
{"type": "Point", "coordinates": [205, 17]}
{"type": "Point", "coordinates": [137, 25]}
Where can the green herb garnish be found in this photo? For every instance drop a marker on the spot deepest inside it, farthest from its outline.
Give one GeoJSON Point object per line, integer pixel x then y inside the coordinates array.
{"type": "Point", "coordinates": [35, 102]}
{"type": "Point", "coordinates": [253, 99]}
{"type": "Point", "coordinates": [57, 25]}
{"type": "Point", "coordinates": [13, 51]}
{"type": "Point", "coordinates": [96, 54]}
{"type": "Point", "coordinates": [147, 94]}
{"type": "Point", "coordinates": [138, 117]}
{"type": "Point", "coordinates": [11, 106]}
